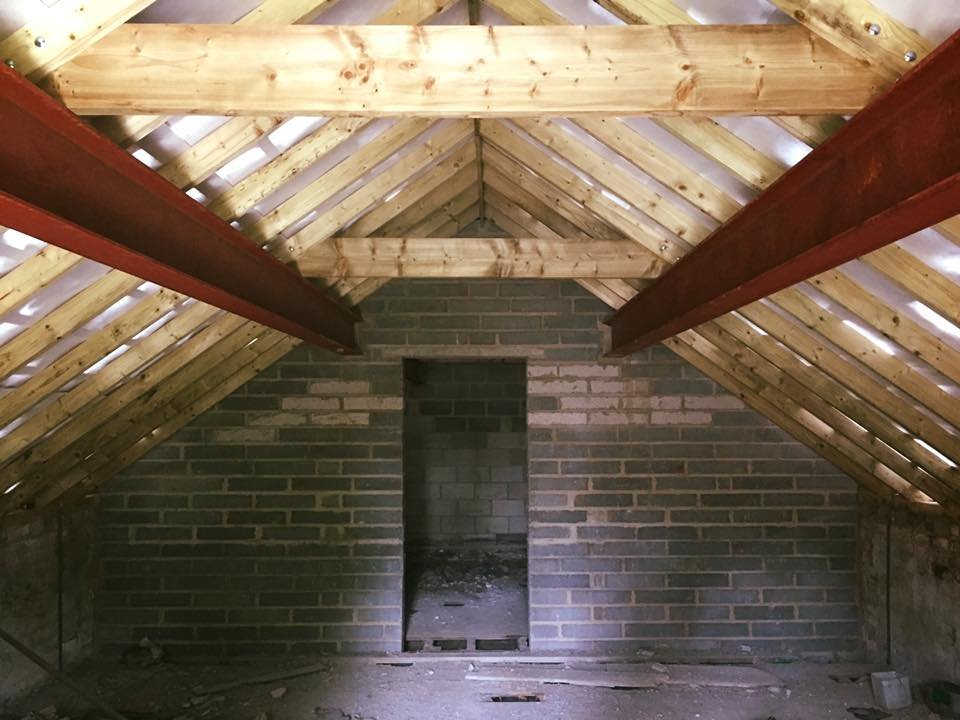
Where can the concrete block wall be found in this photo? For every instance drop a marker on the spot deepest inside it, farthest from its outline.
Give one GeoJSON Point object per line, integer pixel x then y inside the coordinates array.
{"type": "Point", "coordinates": [464, 451]}
{"type": "Point", "coordinates": [921, 590]}
{"type": "Point", "coordinates": [29, 593]}
{"type": "Point", "coordinates": [664, 516]}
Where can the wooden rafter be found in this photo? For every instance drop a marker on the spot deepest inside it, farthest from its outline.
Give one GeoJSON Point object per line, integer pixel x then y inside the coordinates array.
{"type": "Point", "coordinates": [439, 197]}
{"type": "Point", "coordinates": [863, 31]}
{"type": "Point", "coordinates": [76, 411]}
{"type": "Point", "coordinates": [239, 199]}
{"type": "Point", "coordinates": [457, 170]}
{"type": "Point", "coordinates": [64, 319]}
{"type": "Point", "coordinates": [33, 274]}
{"type": "Point", "coordinates": [814, 435]}
{"type": "Point", "coordinates": [99, 345]}
{"type": "Point", "coordinates": [62, 182]}
{"type": "Point", "coordinates": [323, 188]}
{"type": "Point", "coordinates": [447, 215]}
{"type": "Point", "coordinates": [894, 50]}
{"type": "Point", "coordinates": [437, 71]}
{"type": "Point", "coordinates": [842, 335]}
{"type": "Point", "coordinates": [63, 32]}
{"type": "Point", "coordinates": [895, 181]}
{"type": "Point", "coordinates": [841, 368]}
{"type": "Point", "coordinates": [414, 163]}
{"type": "Point", "coordinates": [803, 367]}
{"type": "Point", "coordinates": [210, 372]}
{"type": "Point", "coordinates": [776, 386]}
{"type": "Point", "coordinates": [30, 451]}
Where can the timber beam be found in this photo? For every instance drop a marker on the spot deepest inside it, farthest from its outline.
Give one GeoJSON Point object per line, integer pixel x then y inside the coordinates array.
{"type": "Point", "coordinates": [462, 257]}
{"type": "Point", "coordinates": [463, 71]}
{"type": "Point", "coordinates": [894, 169]}
{"type": "Point", "coordinates": [64, 183]}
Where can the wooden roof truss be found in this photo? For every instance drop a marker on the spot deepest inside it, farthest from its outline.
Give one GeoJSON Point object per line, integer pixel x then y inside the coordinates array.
{"type": "Point", "coordinates": [861, 363]}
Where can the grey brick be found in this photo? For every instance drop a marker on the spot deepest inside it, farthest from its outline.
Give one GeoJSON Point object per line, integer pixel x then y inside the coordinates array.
{"type": "Point", "coordinates": [698, 537]}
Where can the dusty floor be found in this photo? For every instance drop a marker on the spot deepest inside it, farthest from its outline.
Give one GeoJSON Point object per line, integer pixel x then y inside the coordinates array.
{"type": "Point", "coordinates": [361, 688]}
{"type": "Point", "coordinates": [475, 593]}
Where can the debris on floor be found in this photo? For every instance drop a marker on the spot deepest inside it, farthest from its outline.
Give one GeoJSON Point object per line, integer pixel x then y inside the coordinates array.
{"type": "Point", "coordinates": [471, 598]}
{"type": "Point", "coordinates": [868, 713]}
{"type": "Point", "coordinates": [337, 714]}
{"type": "Point", "coordinates": [264, 678]}
{"type": "Point", "coordinates": [567, 676]}
{"type": "Point", "coordinates": [467, 569]}
{"type": "Point", "coordinates": [848, 678]}
{"type": "Point", "coordinates": [721, 676]}
{"type": "Point", "coordinates": [406, 687]}
{"type": "Point", "coordinates": [891, 690]}
{"type": "Point", "coordinates": [143, 654]}
{"type": "Point", "coordinates": [942, 697]}
{"type": "Point", "coordinates": [631, 676]}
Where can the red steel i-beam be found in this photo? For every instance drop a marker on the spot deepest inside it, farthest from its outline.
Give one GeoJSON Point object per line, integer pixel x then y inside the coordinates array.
{"type": "Point", "coordinates": [892, 170]}
{"type": "Point", "coordinates": [65, 184]}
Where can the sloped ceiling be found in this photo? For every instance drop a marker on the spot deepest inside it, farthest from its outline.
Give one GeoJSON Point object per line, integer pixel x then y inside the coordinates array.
{"type": "Point", "coordinates": [861, 363]}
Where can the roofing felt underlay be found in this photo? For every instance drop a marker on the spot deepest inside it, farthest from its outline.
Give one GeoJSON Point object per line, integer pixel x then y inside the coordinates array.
{"type": "Point", "coordinates": [861, 363]}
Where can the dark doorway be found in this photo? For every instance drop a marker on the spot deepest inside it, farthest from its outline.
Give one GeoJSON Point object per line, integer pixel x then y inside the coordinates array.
{"type": "Point", "coordinates": [465, 505]}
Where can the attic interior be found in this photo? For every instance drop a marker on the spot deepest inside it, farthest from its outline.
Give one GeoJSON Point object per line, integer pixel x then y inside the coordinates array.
{"type": "Point", "coordinates": [383, 359]}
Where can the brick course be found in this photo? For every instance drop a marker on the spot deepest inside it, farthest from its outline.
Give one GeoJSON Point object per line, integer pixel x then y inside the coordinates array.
{"type": "Point", "coordinates": [663, 515]}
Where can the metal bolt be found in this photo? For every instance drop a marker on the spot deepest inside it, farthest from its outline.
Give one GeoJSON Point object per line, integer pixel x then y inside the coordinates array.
{"type": "Point", "coordinates": [909, 56]}
{"type": "Point", "coordinates": [873, 28]}
{"type": "Point", "coordinates": [664, 248]}
{"type": "Point", "coordinates": [9, 63]}
{"type": "Point", "coordinates": [40, 41]}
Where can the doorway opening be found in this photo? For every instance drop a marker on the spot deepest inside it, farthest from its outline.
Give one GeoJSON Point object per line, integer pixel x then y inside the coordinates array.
{"type": "Point", "coordinates": [465, 505]}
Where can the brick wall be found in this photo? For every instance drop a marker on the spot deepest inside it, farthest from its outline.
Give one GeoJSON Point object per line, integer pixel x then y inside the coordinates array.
{"type": "Point", "coordinates": [29, 593]}
{"type": "Point", "coordinates": [923, 584]}
{"type": "Point", "coordinates": [663, 515]}
{"type": "Point", "coordinates": [464, 451]}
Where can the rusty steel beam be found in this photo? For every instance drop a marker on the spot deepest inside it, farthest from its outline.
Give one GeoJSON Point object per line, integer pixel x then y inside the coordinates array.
{"type": "Point", "coordinates": [65, 184]}
{"type": "Point", "coordinates": [892, 170]}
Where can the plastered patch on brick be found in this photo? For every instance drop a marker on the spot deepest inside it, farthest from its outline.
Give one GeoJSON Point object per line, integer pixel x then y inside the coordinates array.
{"type": "Point", "coordinates": [619, 387]}
{"type": "Point", "coordinates": [666, 402]}
{"type": "Point", "coordinates": [243, 435]}
{"type": "Point", "coordinates": [373, 403]}
{"type": "Point", "coordinates": [590, 371]}
{"type": "Point", "coordinates": [547, 419]}
{"type": "Point", "coordinates": [539, 371]}
{"type": "Point", "coordinates": [615, 418]}
{"type": "Point", "coordinates": [310, 403]}
{"type": "Point", "coordinates": [680, 418]}
{"type": "Point", "coordinates": [345, 418]}
{"type": "Point", "coordinates": [279, 418]}
{"type": "Point", "coordinates": [556, 387]}
{"type": "Point", "coordinates": [340, 387]}
{"type": "Point", "coordinates": [589, 403]}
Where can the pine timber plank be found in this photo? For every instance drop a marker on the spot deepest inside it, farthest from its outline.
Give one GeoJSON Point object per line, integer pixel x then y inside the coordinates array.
{"type": "Point", "coordinates": [141, 69]}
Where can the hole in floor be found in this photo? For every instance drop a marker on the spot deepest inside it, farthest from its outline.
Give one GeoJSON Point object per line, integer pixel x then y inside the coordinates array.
{"type": "Point", "coordinates": [516, 698]}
